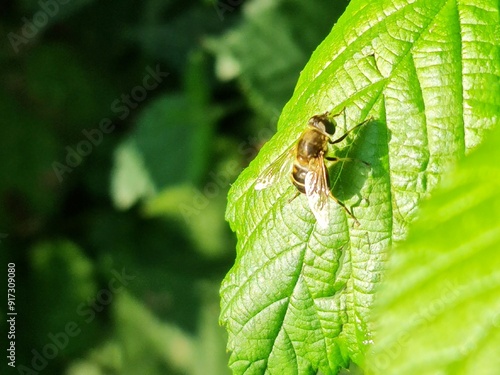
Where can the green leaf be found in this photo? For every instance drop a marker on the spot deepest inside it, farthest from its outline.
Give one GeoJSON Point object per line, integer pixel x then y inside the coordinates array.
{"type": "Point", "coordinates": [151, 159]}
{"type": "Point", "coordinates": [439, 309]}
{"type": "Point", "coordinates": [299, 296]}
{"type": "Point", "coordinates": [174, 129]}
{"type": "Point", "coordinates": [130, 179]}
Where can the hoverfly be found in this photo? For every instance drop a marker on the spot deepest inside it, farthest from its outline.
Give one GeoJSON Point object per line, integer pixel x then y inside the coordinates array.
{"type": "Point", "coordinates": [309, 173]}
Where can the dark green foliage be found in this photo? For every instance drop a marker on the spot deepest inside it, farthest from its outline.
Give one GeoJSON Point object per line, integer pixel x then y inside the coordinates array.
{"type": "Point", "coordinates": [119, 143]}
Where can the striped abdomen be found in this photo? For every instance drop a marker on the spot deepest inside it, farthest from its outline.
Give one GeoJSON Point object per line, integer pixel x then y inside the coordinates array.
{"type": "Point", "coordinates": [312, 144]}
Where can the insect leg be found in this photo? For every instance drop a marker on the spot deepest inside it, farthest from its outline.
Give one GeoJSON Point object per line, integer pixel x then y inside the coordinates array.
{"type": "Point", "coordinates": [345, 208]}
{"type": "Point", "coordinates": [297, 193]}
{"type": "Point", "coordinates": [338, 113]}
{"type": "Point", "coordinates": [332, 158]}
{"type": "Point", "coordinates": [350, 130]}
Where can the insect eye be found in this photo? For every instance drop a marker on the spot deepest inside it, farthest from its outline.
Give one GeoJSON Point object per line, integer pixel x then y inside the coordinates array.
{"type": "Point", "coordinates": [322, 123]}
{"type": "Point", "coordinates": [330, 126]}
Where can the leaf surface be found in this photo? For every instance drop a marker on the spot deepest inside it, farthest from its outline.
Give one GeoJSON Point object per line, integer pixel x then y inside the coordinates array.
{"type": "Point", "coordinates": [439, 309]}
{"type": "Point", "coordinates": [427, 72]}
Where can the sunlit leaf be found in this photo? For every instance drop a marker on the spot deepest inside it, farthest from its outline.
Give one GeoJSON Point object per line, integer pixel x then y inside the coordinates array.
{"type": "Point", "coordinates": [439, 309]}
{"type": "Point", "coordinates": [299, 296]}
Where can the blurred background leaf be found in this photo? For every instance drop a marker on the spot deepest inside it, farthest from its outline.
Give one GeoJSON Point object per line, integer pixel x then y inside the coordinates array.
{"type": "Point", "coordinates": [265, 62]}
{"type": "Point", "coordinates": [149, 196]}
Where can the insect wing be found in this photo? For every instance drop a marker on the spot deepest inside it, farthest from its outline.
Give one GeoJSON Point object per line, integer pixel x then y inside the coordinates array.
{"type": "Point", "coordinates": [318, 191]}
{"type": "Point", "coordinates": [275, 170]}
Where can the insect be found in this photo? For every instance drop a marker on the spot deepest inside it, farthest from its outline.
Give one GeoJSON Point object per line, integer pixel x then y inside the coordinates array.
{"type": "Point", "coordinates": [309, 173]}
